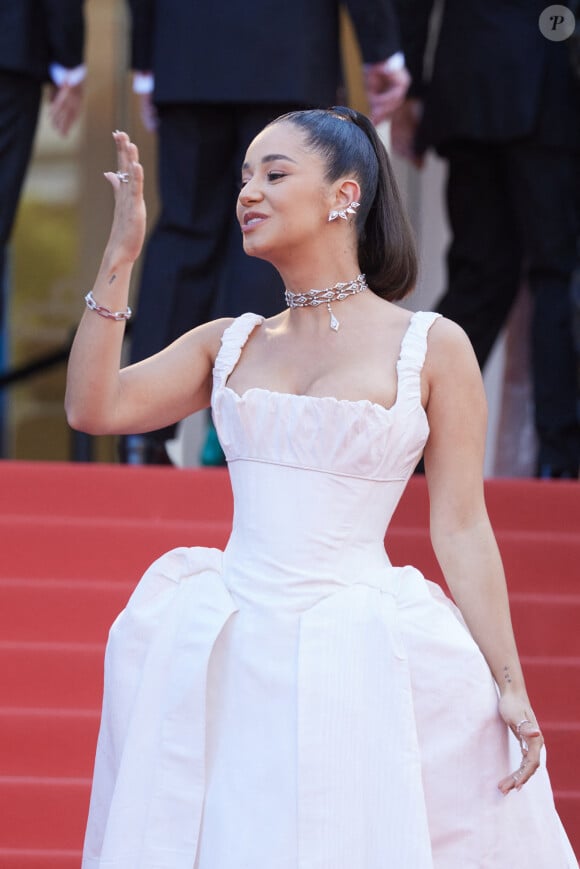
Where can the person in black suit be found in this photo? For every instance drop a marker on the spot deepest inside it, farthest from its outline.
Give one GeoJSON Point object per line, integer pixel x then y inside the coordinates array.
{"type": "Point", "coordinates": [221, 72]}
{"type": "Point", "coordinates": [502, 106]}
{"type": "Point", "coordinates": [40, 42]}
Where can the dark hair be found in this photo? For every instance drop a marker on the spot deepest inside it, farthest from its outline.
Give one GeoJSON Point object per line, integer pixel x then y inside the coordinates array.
{"type": "Point", "coordinates": [350, 145]}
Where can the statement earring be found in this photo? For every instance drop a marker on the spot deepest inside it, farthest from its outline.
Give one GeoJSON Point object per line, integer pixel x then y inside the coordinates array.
{"type": "Point", "coordinates": [343, 212]}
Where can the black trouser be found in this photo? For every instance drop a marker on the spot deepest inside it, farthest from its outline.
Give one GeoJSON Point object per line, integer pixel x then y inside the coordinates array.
{"type": "Point", "coordinates": [19, 105]}
{"type": "Point", "coordinates": [513, 212]}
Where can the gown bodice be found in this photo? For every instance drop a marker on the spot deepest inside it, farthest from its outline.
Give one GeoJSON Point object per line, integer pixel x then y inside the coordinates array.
{"type": "Point", "coordinates": [315, 479]}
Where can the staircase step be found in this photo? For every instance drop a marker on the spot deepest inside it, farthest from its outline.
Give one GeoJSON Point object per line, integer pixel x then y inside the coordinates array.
{"type": "Point", "coordinates": [111, 491]}
{"type": "Point", "coordinates": [562, 741]}
{"type": "Point", "coordinates": [44, 610]}
{"type": "Point", "coordinates": [513, 505]}
{"type": "Point", "coordinates": [546, 624]}
{"type": "Point", "coordinates": [50, 743]}
{"type": "Point", "coordinates": [124, 549]}
{"type": "Point", "coordinates": [16, 858]}
{"type": "Point", "coordinates": [530, 559]}
{"type": "Point", "coordinates": [43, 813]}
{"type": "Point", "coordinates": [91, 490]}
{"type": "Point", "coordinates": [534, 505]}
{"type": "Point", "coordinates": [101, 549]}
{"type": "Point", "coordinates": [553, 685]}
{"type": "Point", "coordinates": [65, 675]}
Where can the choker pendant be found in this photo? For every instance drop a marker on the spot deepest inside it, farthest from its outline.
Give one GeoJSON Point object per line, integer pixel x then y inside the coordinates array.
{"type": "Point", "coordinates": [314, 298]}
{"type": "Point", "coordinates": [334, 323]}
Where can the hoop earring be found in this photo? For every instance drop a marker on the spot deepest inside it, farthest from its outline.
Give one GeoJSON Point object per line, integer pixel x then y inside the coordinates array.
{"type": "Point", "coordinates": [343, 212]}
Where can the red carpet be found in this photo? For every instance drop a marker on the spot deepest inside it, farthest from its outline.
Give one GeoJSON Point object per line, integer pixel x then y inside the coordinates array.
{"type": "Point", "coordinates": [75, 539]}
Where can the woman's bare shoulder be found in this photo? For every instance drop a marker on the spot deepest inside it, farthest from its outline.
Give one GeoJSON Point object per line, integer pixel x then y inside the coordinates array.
{"type": "Point", "coordinates": [451, 367]}
{"type": "Point", "coordinates": [206, 338]}
{"type": "Point", "coordinates": [447, 343]}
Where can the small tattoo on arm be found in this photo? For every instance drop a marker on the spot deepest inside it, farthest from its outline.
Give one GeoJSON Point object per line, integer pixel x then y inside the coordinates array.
{"type": "Point", "coordinates": [506, 674]}
{"type": "Point", "coordinates": [112, 278]}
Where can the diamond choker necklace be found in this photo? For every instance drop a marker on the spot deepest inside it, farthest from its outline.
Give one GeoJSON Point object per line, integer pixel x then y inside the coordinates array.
{"type": "Point", "coordinates": [314, 298]}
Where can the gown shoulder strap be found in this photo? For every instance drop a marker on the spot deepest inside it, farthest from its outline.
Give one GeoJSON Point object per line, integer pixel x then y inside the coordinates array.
{"type": "Point", "coordinates": [232, 344]}
{"type": "Point", "coordinates": [413, 352]}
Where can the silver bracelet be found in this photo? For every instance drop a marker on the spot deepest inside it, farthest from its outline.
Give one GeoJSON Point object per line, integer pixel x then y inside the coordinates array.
{"type": "Point", "coordinates": [106, 312]}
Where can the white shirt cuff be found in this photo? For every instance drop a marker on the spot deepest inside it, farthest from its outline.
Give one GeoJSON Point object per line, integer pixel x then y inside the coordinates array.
{"type": "Point", "coordinates": [61, 75]}
{"type": "Point", "coordinates": [394, 63]}
{"type": "Point", "coordinates": [143, 82]}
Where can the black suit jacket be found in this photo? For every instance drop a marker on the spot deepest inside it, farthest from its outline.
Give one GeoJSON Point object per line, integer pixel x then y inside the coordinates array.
{"type": "Point", "coordinates": [34, 33]}
{"type": "Point", "coordinates": [494, 77]}
{"type": "Point", "coordinates": [262, 51]}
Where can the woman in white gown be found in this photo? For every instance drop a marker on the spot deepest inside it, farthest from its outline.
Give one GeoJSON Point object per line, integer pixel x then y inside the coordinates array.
{"type": "Point", "coordinates": [296, 702]}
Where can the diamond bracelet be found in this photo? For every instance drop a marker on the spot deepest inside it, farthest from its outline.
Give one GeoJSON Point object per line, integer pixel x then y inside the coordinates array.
{"type": "Point", "coordinates": [106, 312]}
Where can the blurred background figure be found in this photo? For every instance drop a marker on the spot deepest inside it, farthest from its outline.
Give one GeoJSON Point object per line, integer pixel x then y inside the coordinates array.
{"type": "Point", "coordinates": [498, 100]}
{"type": "Point", "coordinates": [40, 42]}
{"type": "Point", "coordinates": [212, 75]}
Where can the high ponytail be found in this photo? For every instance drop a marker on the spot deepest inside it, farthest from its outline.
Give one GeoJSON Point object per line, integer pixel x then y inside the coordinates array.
{"type": "Point", "coordinates": [349, 144]}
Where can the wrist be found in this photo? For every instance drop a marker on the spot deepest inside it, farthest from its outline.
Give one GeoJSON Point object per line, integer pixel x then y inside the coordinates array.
{"type": "Point", "coordinates": [63, 76]}
{"type": "Point", "coordinates": [510, 678]}
{"type": "Point", "coordinates": [115, 262]}
{"type": "Point", "coordinates": [394, 63]}
{"type": "Point", "coordinates": [515, 687]}
{"type": "Point", "coordinates": [143, 82]}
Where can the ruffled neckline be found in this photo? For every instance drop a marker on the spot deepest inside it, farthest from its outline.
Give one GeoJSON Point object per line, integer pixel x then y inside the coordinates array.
{"type": "Point", "coordinates": [409, 364]}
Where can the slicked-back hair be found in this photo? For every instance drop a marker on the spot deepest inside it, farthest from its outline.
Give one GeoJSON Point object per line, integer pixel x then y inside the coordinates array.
{"type": "Point", "coordinates": [350, 146]}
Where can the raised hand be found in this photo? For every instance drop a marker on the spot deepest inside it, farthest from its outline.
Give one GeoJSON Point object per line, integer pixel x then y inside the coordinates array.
{"type": "Point", "coordinates": [129, 219]}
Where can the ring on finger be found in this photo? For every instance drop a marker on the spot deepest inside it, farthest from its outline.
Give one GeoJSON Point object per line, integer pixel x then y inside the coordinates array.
{"type": "Point", "coordinates": [521, 723]}
{"type": "Point", "coordinates": [123, 176]}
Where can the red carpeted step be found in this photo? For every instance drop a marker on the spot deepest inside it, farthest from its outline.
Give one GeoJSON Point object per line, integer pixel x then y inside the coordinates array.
{"type": "Point", "coordinates": [45, 610]}
{"type": "Point", "coordinates": [562, 740]}
{"type": "Point", "coordinates": [123, 550]}
{"type": "Point", "coordinates": [553, 686]}
{"type": "Point", "coordinates": [147, 492]}
{"type": "Point", "coordinates": [50, 743]}
{"type": "Point", "coordinates": [43, 813]}
{"type": "Point", "coordinates": [26, 858]}
{"type": "Point", "coordinates": [533, 562]}
{"type": "Point", "coordinates": [547, 624]}
{"type": "Point", "coordinates": [534, 505]}
{"type": "Point", "coordinates": [515, 505]}
{"type": "Point", "coordinates": [55, 676]}
{"type": "Point", "coordinates": [84, 549]}
{"type": "Point", "coordinates": [109, 491]}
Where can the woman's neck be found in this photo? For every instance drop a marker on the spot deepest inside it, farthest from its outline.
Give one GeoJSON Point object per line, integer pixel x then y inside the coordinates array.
{"type": "Point", "coordinates": [302, 276]}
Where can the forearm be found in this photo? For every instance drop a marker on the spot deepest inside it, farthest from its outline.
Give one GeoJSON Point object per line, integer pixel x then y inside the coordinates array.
{"type": "Point", "coordinates": [471, 563]}
{"type": "Point", "coordinates": [93, 375]}
{"type": "Point", "coordinates": [94, 402]}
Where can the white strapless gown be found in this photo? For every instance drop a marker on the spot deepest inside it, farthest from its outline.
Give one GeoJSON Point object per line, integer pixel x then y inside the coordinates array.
{"type": "Point", "coordinates": [296, 702]}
